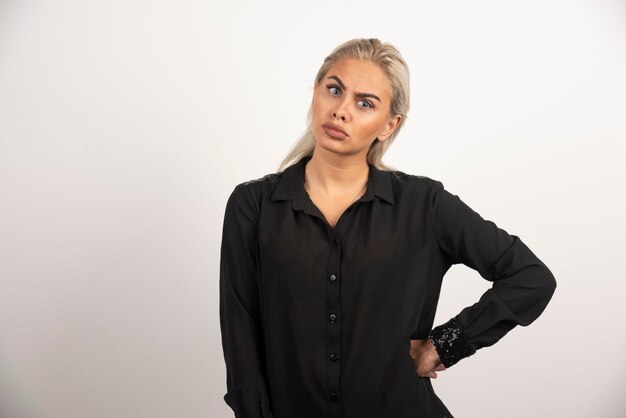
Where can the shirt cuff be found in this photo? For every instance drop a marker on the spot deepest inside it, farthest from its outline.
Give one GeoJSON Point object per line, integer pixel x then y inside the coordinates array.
{"type": "Point", "coordinates": [250, 399]}
{"type": "Point", "coordinates": [450, 343]}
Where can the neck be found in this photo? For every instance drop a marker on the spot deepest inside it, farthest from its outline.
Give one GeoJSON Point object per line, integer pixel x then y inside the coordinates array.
{"type": "Point", "coordinates": [335, 177]}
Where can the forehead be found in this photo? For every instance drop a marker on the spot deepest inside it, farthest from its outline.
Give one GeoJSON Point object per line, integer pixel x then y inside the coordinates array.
{"type": "Point", "coordinates": [361, 76]}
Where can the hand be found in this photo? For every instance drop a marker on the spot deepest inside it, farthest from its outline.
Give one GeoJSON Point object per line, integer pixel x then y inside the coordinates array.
{"type": "Point", "coordinates": [426, 358]}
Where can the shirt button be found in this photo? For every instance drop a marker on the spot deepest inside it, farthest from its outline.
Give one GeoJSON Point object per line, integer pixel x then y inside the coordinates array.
{"type": "Point", "coordinates": [333, 317]}
{"type": "Point", "coordinates": [333, 277]}
{"type": "Point", "coordinates": [334, 357]}
{"type": "Point", "coordinates": [333, 397]}
{"type": "Point", "coordinates": [336, 241]}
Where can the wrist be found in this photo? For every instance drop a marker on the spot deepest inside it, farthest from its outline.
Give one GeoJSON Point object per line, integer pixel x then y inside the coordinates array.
{"type": "Point", "coordinates": [450, 342]}
{"type": "Point", "coordinates": [433, 355]}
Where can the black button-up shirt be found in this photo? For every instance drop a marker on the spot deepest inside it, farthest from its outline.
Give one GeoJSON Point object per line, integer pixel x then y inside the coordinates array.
{"type": "Point", "coordinates": [316, 321]}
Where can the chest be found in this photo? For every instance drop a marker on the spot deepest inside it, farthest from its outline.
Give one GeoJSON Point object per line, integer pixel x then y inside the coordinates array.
{"type": "Point", "coordinates": [376, 251]}
{"type": "Point", "coordinates": [331, 208]}
{"type": "Point", "coordinates": [371, 235]}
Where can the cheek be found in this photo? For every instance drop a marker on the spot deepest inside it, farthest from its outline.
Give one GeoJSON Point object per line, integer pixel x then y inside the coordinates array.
{"type": "Point", "coordinates": [315, 108]}
{"type": "Point", "coordinates": [370, 126]}
{"type": "Point", "coordinates": [320, 110]}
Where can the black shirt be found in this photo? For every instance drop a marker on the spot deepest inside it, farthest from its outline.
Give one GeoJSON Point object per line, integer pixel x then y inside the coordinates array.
{"type": "Point", "coordinates": [316, 321]}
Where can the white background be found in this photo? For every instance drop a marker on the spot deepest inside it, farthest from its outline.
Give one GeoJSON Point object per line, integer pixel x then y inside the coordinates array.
{"type": "Point", "coordinates": [125, 125]}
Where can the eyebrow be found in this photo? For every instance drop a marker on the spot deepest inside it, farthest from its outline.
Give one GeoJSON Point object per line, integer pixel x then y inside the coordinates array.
{"type": "Point", "coordinates": [357, 94]}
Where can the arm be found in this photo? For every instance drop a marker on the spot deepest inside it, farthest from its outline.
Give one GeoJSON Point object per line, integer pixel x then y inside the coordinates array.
{"type": "Point", "coordinates": [522, 284]}
{"type": "Point", "coordinates": [240, 318]}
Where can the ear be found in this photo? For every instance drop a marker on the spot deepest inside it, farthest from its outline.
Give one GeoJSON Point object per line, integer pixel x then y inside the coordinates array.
{"type": "Point", "coordinates": [392, 125]}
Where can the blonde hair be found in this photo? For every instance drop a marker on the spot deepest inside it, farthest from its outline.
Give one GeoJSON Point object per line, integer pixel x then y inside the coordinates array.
{"type": "Point", "coordinates": [388, 58]}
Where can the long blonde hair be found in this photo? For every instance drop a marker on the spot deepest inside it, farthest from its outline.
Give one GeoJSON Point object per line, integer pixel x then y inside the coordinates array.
{"type": "Point", "coordinates": [388, 58]}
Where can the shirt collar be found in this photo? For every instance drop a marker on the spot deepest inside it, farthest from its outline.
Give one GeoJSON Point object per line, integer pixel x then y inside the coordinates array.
{"type": "Point", "coordinates": [291, 185]}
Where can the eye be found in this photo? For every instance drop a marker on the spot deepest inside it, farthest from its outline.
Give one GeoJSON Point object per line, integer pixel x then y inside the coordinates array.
{"type": "Point", "coordinates": [368, 104]}
{"type": "Point", "coordinates": [331, 87]}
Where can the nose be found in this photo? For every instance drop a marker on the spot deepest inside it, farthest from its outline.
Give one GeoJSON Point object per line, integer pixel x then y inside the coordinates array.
{"type": "Point", "coordinates": [340, 111]}
{"type": "Point", "coordinates": [343, 116]}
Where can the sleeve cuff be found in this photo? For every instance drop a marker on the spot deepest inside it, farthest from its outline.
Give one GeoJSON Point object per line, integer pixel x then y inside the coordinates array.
{"type": "Point", "coordinates": [249, 400]}
{"type": "Point", "coordinates": [450, 343]}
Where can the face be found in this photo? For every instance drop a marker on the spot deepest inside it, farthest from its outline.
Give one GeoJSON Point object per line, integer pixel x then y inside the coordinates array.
{"type": "Point", "coordinates": [354, 96]}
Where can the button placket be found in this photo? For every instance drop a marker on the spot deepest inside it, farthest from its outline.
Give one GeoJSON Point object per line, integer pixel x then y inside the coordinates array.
{"type": "Point", "coordinates": [333, 326]}
{"type": "Point", "coordinates": [333, 291]}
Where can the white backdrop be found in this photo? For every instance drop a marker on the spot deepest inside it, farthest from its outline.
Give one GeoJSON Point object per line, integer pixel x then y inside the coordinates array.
{"type": "Point", "coordinates": [125, 125]}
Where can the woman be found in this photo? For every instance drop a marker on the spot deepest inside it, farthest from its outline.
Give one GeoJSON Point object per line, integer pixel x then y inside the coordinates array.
{"type": "Point", "coordinates": [331, 268]}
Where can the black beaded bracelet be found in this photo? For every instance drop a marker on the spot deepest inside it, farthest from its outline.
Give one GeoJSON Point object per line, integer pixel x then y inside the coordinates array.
{"type": "Point", "coordinates": [450, 342]}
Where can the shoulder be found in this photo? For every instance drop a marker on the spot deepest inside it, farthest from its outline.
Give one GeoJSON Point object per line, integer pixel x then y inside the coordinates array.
{"type": "Point", "coordinates": [250, 192]}
{"type": "Point", "coordinates": [261, 186]}
{"type": "Point", "coordinates": [403, 180]}
{"type": "Point", "coordinates": [271, 178]}
{"type": "Point", "coordinates": [414, 190]}
{"type": "Point", "coordinates": [254, 186]}
{"type": "Point", "coordinates": [403, 177]}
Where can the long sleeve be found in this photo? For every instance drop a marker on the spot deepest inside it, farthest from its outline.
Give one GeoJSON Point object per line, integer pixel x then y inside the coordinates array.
{"type": "Point", "coordinates": [240, 318]}
{"type": "Point", "coordinates": [522, 284]}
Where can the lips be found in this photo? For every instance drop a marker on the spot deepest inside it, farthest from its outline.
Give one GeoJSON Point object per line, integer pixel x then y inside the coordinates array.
{"type": "Point", "coordinates": [334, 130]}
